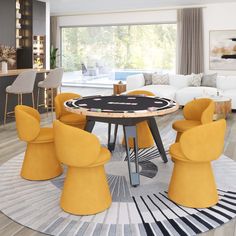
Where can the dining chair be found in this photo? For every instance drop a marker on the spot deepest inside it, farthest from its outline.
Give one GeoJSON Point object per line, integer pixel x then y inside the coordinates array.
{"type": "Point", "coordinates": [196, 112]}
{"type": "Point", "coordinates": [23, 84]}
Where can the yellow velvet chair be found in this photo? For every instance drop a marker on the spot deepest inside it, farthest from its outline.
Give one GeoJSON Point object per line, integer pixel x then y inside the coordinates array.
{"type": "Point", "coordinates": [145, 139]}
{"type": "Point", "coordinates": [85, 190]}
{"type": "Point", "coordinates": [192, 183]}
{"type": "Point", "coordinates": [40, 161]}
{"type": "Point", "coordinates": [196, 112]}
{"type": "Point", "coordinates": [66, 117]}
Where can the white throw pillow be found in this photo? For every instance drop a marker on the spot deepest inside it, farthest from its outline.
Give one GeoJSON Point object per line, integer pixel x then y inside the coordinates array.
{"type": "Point", "coordinates": [179, 81]}
{"type": "Point", "coordinates": [160, 79]}
{"type": "Point", "coordinates": [226, 82]}
{"type": "Point", "coordinates": [194, 80]}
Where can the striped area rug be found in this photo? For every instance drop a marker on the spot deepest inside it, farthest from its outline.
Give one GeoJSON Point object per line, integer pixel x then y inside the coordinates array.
{"type": "Point", "coordinates": [145, 210]}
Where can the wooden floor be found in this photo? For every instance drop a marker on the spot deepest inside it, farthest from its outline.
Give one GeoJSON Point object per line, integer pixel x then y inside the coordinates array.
{"type": "Point", "coordinates": [10, 146]}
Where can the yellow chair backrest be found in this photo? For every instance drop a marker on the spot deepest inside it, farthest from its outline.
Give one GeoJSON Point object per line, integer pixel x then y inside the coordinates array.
{"type": "Point", "coordinates": [205, 142]}
{"type": "Point", "coordinates": [140, 92]}
{"type": "Point", "coordinates": [75, 147]}
{"type": "Point", "coordinates": [27, 122]}
{"type": "Point", "coordinates": [199, 109]}
{"type": "Point", "coordinates": [59, 103]}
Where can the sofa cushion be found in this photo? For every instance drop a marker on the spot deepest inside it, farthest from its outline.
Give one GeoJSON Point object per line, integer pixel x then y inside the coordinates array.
{"type": "Point", "coordinates": [166, 91]}
{"type": "Point", "coordinates": [134, 81]}
{"type": "Point", "coordinates": [231, 94]}
{"type": "Point", "coordinates": [160, 79]}
{"type": "Point", "coordinates": [209, 80]}
{"type": "Point", "coordinates": [179, 81]}
{"type": "Point", "coordinates": [185, 95]}
{"type": "Point", "coordinates": [226, 82]}
{"type": "Point", "coordinates": [147, 78]}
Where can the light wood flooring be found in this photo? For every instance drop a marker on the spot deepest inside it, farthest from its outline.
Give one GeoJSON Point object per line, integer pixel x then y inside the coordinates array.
{"type": "Point", "coordinates": [10, 146]}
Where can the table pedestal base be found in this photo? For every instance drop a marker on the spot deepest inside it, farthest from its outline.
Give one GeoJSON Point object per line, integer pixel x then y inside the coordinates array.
{"type": "Point", "coordinates": [129, 129]}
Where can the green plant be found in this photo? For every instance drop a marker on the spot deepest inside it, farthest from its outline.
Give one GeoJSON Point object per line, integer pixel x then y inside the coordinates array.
{"type": "Point", "coordinates": [53, 57]}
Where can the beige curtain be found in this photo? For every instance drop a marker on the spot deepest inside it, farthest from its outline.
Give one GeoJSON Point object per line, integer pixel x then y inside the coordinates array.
{"type": "Point", "coordinates": [53, 31]}
{"type": "Point", "coordinates": [190, 41]}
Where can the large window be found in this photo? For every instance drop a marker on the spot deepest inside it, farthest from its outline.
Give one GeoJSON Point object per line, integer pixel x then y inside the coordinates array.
{"type": "Point", "coordinates": [144, 47]}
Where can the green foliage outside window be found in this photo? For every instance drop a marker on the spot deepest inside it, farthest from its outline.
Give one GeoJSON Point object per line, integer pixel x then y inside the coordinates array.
{"type": "Point", "coordinates": [121, 47]}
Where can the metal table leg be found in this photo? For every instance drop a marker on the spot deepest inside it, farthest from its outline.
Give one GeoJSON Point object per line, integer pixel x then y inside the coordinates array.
{"type": "Point", "coordinates": [130, 132]}
{"type": "Point", "coordinates": [156, 135]}
{"type": "Point", "coordinates": [110, 144]}
{"type": "Point", "coordinates": [89, 125]}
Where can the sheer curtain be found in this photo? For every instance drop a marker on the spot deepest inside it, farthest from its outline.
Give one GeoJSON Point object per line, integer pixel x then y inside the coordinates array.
{"type": "Point", "coordinates": [190, 41]}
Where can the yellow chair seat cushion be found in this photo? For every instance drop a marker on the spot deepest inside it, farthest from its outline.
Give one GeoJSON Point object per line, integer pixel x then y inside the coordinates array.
{"type": "Point", "coordinates": [45, 136]}
{"type": "Point", "coordinates": [183, 125]}
{"type": "Point", "coordinates": [104, 157]}
{"type": "Point", "coordinates": [73, 119]}
{"type": "Point", "coordinates": [176, 153]}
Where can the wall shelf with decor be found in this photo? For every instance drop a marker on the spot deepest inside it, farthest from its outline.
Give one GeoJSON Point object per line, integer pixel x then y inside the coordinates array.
{"type": "Point", "coordinates": [24, 34]}
{"type": "Point", "coordinates": [38, 51]}
{"type": "Point", "coordinates": [18, 25]}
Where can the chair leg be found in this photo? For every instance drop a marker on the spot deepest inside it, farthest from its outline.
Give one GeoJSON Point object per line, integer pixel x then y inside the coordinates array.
{"type": "Point", "coordinates": [46, 92]}
{"type": "Point", "coordinates": [32, 94]}
{"type": "Point", "coordinates": [38, 99]}
{"type": "Point", "coordinates": [5, 113]}
{"type": "Point", "coordinates": [52, 102]}
{"type": "Point", "coordinates": [21, 99]}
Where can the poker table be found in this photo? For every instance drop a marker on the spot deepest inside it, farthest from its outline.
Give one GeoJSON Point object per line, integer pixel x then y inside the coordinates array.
{"type": "Point", "coordinates": [126, 111]}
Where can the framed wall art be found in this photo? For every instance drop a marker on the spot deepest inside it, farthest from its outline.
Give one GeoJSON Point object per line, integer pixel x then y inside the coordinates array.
{"type": "Point", "coordinates": [222, 50]}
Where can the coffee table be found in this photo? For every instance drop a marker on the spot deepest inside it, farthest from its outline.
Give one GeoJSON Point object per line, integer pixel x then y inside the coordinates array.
{"type": "Point", "coordinates": [126, 111]}
{"type": "Point", "coordinates": [223, 106]}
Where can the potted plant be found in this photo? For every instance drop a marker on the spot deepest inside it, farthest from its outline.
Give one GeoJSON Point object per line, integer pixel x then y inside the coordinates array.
{"type": "Point", "coordinates": [7, 55]}
{"type": "Point", "coordinates": [53, 57]}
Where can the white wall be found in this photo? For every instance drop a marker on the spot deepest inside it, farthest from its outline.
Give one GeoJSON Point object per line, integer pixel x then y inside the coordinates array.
{"type": "Point", "coordinates": [218, 17]}
{"type": "Point", "coordinates": [118, 18]}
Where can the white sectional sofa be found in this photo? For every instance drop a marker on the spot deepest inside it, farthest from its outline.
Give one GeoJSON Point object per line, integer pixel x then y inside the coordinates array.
{"type": "Point", "coordinates": [179, 90]}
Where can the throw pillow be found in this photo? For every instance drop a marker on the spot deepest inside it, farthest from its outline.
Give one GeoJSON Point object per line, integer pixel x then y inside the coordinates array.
{"type": "Point", "coordinates": [209, 80]}
{"type": "Point", "coordinates": [160, 79]}
{"type": "Point", "coordinates": [195, 80]}
{"type": "Point", "coordinates": [147, 78]}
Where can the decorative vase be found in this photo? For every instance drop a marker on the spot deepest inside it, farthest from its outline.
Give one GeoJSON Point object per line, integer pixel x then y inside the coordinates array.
{"type": "Point", "coordinates": [4, 67]}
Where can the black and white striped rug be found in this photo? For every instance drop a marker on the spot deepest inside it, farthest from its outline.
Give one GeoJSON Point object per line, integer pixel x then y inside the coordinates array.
{"type": "Point", "coordinates": [145, 210]}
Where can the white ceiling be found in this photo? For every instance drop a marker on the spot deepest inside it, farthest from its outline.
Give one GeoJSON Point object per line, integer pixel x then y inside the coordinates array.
{"type": "Point", "coordinates": [61, 7]}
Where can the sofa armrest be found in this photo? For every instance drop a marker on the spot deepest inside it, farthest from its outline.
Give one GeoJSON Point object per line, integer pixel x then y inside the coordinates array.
{"type": "Point", "coordinates": [135, 82]}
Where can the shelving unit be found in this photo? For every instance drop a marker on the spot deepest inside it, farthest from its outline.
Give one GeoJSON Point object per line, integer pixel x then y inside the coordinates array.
{"type": "Point", "coordinates": [18, 25]}
{"type": "Point", "coordinates": [38, 52]}
{"type": "Point", "coordinates": [30, 31]}
{"type": "Point", "coordinates": [24, 33]}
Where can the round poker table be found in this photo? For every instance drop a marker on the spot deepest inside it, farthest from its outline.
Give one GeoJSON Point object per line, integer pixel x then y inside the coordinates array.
{"type": "Point", "coordinates": [121, 106]}
{"type": "Point", "coordinates": [127, 111]}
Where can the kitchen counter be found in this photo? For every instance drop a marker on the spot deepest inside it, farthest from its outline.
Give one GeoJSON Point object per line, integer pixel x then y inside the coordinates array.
{"type": "Point", "coordinates": [7, 79]}
{"type": "Point", "coordinates": [18, 71]}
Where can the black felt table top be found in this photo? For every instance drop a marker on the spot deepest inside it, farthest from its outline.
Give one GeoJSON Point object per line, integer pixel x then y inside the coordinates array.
{"type": "Point", "coordinates": [120, 103]}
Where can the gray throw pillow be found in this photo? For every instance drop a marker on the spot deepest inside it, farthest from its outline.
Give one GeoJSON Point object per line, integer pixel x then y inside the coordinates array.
{"type": "Point", "coordinates": [147, 78]}
{"type": "Point", "coordinates": [160, 79]}
{"type": "Point", "coordinates": [209, 80]}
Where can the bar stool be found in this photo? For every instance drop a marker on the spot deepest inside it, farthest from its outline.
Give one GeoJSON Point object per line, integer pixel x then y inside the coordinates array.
{"type": "Point", "coordinates": [23, 84]}
{"type": "Point", "coordinates": [51, 82]}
